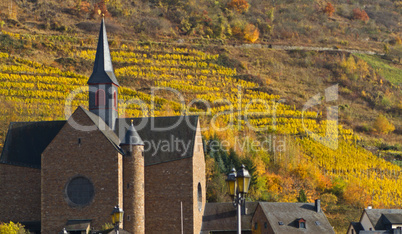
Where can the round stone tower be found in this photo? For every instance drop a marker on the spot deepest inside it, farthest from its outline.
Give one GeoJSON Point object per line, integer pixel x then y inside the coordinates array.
{"type": "Point", "coordinates": [133, 182]}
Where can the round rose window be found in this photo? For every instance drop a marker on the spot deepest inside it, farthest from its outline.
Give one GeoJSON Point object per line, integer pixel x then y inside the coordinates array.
{"type": "Point", "coordinates": [80, 191]}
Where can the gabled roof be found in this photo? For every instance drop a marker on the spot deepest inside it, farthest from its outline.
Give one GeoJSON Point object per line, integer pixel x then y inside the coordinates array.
{"type": "Point", "coordinates": [392, 218]}
{"type": "Point", "coordinates": [104, 128]}
{"type": "Point", "coordinates": [103, 68]}
{"type": "Point", "coordinates": [290, 214]}
{"type": "Point", "coordinates": [374, 216]}
{"type": "Point", "coordinates": [222, 217]}
{"type": "Point", "coordinates": [26, 141]}
{"type": "Point", "coordinates": [357, 226]}
{"type": "Point", "coordinates": [165, 138]}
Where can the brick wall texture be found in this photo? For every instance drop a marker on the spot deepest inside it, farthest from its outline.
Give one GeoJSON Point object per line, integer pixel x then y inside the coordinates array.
{"type": "Point", "coordinates": [134, 189]}
{"type": "Point", "coordinates": [64, 159]}
{"type": "Point", "coordinates": [20, 193]}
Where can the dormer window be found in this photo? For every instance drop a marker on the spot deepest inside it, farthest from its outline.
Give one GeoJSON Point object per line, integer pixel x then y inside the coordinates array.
{"type": "Point", "coordinates": [302, 223]}
{"type": "Point", "coordinates": [100, 98]}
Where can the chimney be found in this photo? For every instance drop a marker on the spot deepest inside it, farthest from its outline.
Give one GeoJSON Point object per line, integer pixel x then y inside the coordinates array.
{"type": "Point", "coordinates": [318, 206]}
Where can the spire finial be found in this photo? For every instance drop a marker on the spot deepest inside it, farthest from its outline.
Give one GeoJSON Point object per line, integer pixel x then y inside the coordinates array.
{"type": "Point", "coordinates": [132, 122]}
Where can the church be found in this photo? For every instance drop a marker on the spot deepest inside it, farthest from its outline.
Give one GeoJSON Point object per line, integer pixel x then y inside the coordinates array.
{"type": "Point", "coordinates": [70, 174]}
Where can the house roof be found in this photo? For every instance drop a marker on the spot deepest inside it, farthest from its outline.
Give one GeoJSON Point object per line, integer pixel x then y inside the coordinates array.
{"type": "Point", "coordinates": [374, 216]}
{"type": "Point", "coordinates": [222, 217]}
{"type": "Point", "coordinates": [165, 138]}
{"type": "Point", "coordinates": [290, 214]}
{"type": "Point", "coordinates": [25, 142]}
{"type": "Point", "coordinates": [392, 218]}
{"type": "Point", "coordinates": [357, 226]}
{"type": "Point", "coordinates": [103, 68]}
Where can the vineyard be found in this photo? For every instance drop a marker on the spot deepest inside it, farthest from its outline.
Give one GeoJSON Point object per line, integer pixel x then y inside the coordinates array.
{"type": "Point", "coordinates": [229, 105]}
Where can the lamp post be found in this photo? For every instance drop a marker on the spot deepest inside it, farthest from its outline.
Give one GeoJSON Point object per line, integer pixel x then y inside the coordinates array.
{"type": "Point", "coordinates": [117, 217]}
{"type": "Point", "coordinates": [238, 184]}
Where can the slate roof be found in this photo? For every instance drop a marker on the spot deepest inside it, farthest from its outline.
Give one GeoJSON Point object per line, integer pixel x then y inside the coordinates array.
{"type": "Point", "coordinates": [132, 137]}
{"type": "Point", "coordinates": [392, 218]}
{"type": "Point", "coordinates": [165, 138]}
{"type": "Point", "coordinates": [290, 213]}
{"type": "Point", "coordinates": [357, 226]}
{"type": "Point", "coordinates": [374, 216]}
{"type": "Point", "coordinates": [222, 217]}
{"type": "Point", "coordinates": [25, 142]}
{"type": "Point", "coordinates": [103, 68]}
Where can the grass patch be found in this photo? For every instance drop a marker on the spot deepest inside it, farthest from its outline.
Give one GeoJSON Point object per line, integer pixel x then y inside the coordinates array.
{"type": "Point", "coordinates": [383, 67]}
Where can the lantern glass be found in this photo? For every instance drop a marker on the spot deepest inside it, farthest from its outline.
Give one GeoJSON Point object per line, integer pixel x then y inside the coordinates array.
{"type": "Point", "coordinates": [117, 215]}
{"type": "Point", "coordinates": [231, 182]}
{"type": "Point", "coordinates": [243, 179]}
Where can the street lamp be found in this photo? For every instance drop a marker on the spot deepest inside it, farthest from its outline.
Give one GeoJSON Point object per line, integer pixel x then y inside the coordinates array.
{"type": "Point", "coordinates": [117, 217]}
{"type": "Point", "coordinates": [238, 184]}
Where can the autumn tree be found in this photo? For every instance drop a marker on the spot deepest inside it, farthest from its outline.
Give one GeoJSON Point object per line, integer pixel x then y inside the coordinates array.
{"type": "Point", "coordinates": [100, 9]}
{"type": "Point", "coordinates": [240, 6]}
{"type": "Point", "coordinates": [251, 33]}
{"type": "Point", "coordinates": [360, 15]}
{"type": "Point", "coordinates": [382, 125]}
{"type": "Point", "coordinates": [329, 9]}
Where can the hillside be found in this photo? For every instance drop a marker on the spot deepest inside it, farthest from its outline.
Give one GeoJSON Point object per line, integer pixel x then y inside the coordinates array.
{"type": "Point", "coordinates": [255, 101]}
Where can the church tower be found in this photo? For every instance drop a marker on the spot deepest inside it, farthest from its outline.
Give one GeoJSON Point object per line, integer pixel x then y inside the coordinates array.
{"type": "Point", "coordinates": [133, 181]}
{"type": "Point", "coordinates": [103, 85]}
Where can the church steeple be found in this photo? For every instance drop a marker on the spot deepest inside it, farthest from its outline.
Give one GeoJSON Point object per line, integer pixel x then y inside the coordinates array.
{"type": "Point", "coordinates": [103, 68]}
{"type": "Point", "coordinates": [103, 85]}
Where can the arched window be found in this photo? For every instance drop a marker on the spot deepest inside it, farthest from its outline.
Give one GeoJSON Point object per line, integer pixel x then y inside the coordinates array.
{"type": "Point", "coordinates": [100, 98]}
{"type": "Point", "coordinates": [115, 99]}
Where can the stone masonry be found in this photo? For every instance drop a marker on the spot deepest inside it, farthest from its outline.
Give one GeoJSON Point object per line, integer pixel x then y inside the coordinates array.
{"type": "Point", "coordinates": [85, 153]}
{"type": "Point", "coordinates": [20, 202]}
{"type": "Point", "coordinates": [134, 188]}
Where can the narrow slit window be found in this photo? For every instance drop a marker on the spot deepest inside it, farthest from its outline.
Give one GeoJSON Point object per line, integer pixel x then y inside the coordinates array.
{"type": "Point", "coordinates": [115, 99]}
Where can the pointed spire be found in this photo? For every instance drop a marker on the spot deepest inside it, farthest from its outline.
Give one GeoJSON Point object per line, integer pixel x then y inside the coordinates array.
{"type": "Point", "coordinates": [132, 137]}
{"type": "Point", "coordinates": [103, 69]}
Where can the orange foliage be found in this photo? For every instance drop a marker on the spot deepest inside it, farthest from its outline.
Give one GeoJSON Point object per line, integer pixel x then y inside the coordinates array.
{"type": "Point", "coordinates": [251, 33]}
{"type": "Point", "coordinates": [240, 6]}
{"type": "Point", "coordinates": [100, 9]}
{"type": "Point", "coordinates": [360, 14]}
{"type": "Point", "coordinates": [357, 196]}
{"type": "Point", "coordinates": [329, 9]}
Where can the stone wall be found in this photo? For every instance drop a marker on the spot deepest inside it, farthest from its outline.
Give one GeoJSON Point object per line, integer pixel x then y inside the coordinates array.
{"type": "Point", "coordinates": [167, 185]}
{"type": "Point", "coordinates": [134, 189]}
{"type": "Point", "coordinates": [198, 178]}
{"type": "Point", "coordinates": [79, 153]}
{"type": "Point", "coordinates": [20, 193]}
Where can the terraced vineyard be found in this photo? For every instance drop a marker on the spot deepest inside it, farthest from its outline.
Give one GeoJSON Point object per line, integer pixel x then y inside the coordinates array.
{"type": "Point", "coordinates": [221, 96]}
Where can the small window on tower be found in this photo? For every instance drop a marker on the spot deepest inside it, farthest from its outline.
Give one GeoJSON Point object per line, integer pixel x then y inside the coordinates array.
{"type": "Point", "coordinates": [100, 98]}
